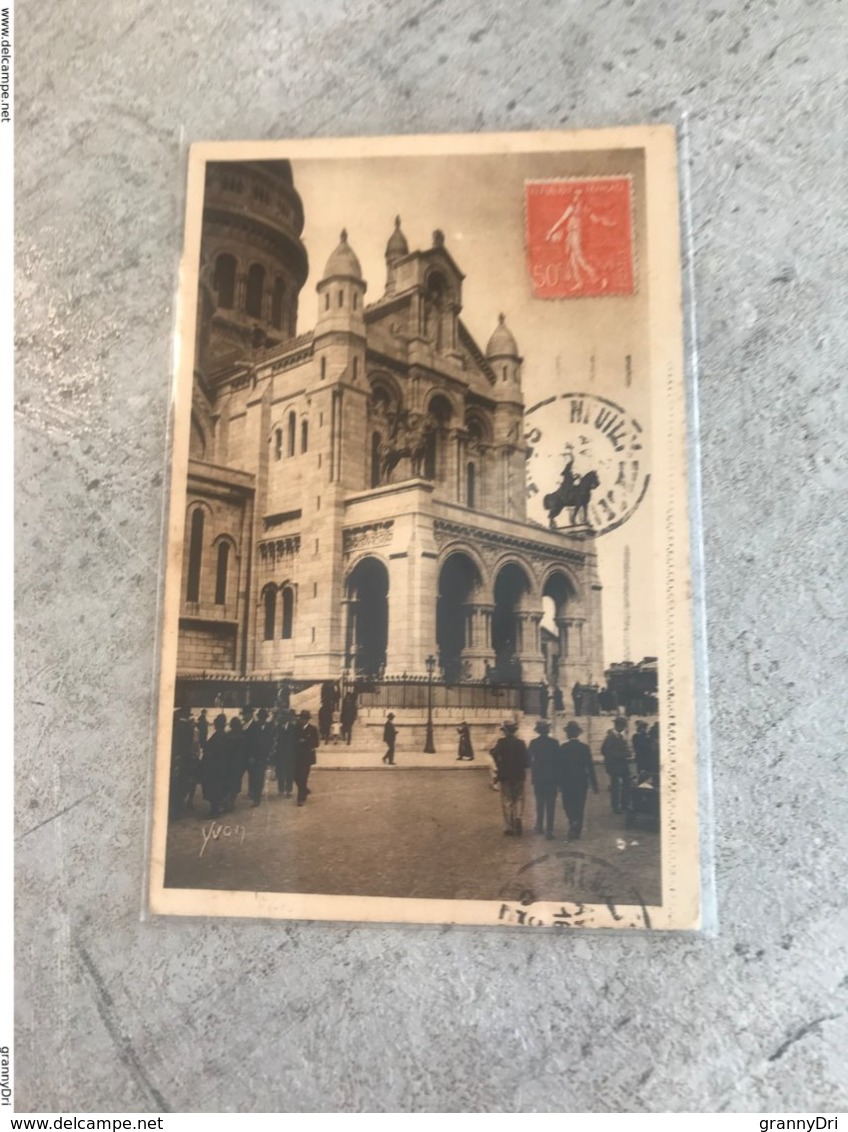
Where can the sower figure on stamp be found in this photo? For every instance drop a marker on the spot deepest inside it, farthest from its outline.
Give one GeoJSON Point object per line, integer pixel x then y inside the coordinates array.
{"type": "Point", "coordinates": [616, 752]}
{"type": "Point", "coordinates": [577, 773]}
{"type": "Point", "coordinates": [307, 744]}
{"type": "Point", "coordinates": [390, 738]}
{"type": "Point", "coordinates": [544, 755]}
{"type": "Point", "coordinates": [510, 755]}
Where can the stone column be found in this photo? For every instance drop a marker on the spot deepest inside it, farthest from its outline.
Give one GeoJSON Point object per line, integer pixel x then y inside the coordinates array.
{"type": "Point", "coordinates": [240, 298]}
{"type": "Point", "coordinates": [529, 646]}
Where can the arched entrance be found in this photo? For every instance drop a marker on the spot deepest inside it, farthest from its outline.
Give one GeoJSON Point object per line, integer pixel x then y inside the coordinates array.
{"type": "Point", "coordinates": [512, 587]}
{"type": "Point", "coordinates": [368, 617]}
{"type": "Point", "coordinates": [459, 582]}
{"type": "Point", "coordinates": [557, 594]}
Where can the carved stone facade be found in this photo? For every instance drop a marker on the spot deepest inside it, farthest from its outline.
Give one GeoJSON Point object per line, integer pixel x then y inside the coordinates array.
{"type": "Point", "coordinates": [368, 477]}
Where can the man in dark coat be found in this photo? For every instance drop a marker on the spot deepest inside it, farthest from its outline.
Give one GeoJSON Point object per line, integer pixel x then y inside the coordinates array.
{"type": "Point", "coordinates": [577, 773]}
{"type": "Point", "coordinates": [214, 767]}
{"type": "Point", "coordinates": [510, 755]}
{"type": "Point", "coordinates": [283, 751]}
{"type": "Point", "coordinates": [544, 755]}
{"type": "Point", "coordinates": [202, 728]}
{"type": "Point", "coordinates": [466, 750]}
{"type": "Point", "coordinates": [390, 738]}
{"type": "Point", "coordinates": [235, 763]}
{"type": "Point", "coordinates": [325, 720]}
{"type": "Point", "coordinates": [616, 753]}
{"type": "Point", "coordinates": [642, 748]}
{"type": "Point", "coordinates": [348, 716]}
{"type": "Point", "coordinates": [182, 755]}
{"type": "Point", "coordinates": [307, 742]}
{"type": "Point", "coordinates": [254, 762]}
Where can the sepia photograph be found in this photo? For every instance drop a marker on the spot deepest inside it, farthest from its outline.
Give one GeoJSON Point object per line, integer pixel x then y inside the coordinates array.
{"type": "Point", "coordinates": [426, 627]}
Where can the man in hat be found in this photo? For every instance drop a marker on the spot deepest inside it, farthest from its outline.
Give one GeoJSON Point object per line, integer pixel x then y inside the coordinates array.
{"type": "Point", "coordinates": [252, 739]}
{"type": "Point", "coordinates": [642, 748]}
{"type": "Point", "coordinates": [577, 772]}
{"type": "Point", "coordinates": [182, 753]}
{"type": "Point", "coordinates": [390, 738]}
{"type": "Point", "coordinates": [307, 741]}
{"type": "Point", "coordinates": [466, 750]}
{"type": "Point", "coordinates": [348, 715]}
{"type": "Point", "coordinates": [616, 753]}
{"type": "Point", "coordinates": [283, 750]}
{"type": "Point", "coordinates": [510, 755]}
{"type": "Point", "coordinates": [544, 755]}
{"type": "Point", "coordinates": [214, 767]}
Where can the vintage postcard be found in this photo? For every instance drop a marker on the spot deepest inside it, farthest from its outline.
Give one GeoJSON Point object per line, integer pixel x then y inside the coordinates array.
{"type": "Point", "coordinates": [427, 650]}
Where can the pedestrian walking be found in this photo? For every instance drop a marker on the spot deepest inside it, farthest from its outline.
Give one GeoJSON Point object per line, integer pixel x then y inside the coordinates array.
{"type": "Point", "coordinates": [642, 748]}
{"type": "Point", "coordinates": [544, 756]}
{"type": "Point", "coordinates": [307, 742]}
{"type": "Point", "coordinates": [235, 763]}
{"type": "Point", "coordinates": [577, 698]}
{"type": "Point", "coordinates": [616, 753]}
{"type": "Point", "coordinates": [348, 716]}
{"type": "Point", "coordinates": [510, 755]}
{"type": "Point", "coordinates": [202, 728]}
{"type": "Point", "coordinates": [254, 763]}
{"type": "Point", "coordinates": [577, 773]}
{"type": "Point", "coordinates": [325, 720]}
{"type": "Point", "coordinates": [390, 738]}
{"type": "Point", "coordinates": [466, 750]}
{"type": "Point", "coordinates": [283, 751]}
{"type": "Point", "coordinates": [214, 767]}
{"type": "Point", "coordinates": [182, 739]}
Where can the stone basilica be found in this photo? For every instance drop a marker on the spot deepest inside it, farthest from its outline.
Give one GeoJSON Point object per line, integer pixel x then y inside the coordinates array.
{"type": "Point", "coordinates": [356, 494]}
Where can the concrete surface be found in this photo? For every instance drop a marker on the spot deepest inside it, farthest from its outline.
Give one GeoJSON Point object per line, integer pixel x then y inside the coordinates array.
{"type": "Point", "coordinates": [121, 1015]}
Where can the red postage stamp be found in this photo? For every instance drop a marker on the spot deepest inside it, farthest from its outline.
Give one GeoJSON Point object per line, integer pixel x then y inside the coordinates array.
{"type": "Point", "coordinates": [580, 237]}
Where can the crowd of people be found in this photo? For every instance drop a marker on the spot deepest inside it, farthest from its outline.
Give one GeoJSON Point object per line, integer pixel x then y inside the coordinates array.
{"type": "Point", "coordinates": [567, 770]}
{"type": "Point", "coordinates": [219, 758]}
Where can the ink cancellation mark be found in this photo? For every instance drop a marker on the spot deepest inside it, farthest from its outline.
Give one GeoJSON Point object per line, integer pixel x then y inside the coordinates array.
{"type": "Point", "coordinates": [601, 895]}
{"type": "Point", "coordinates": [586, 463]}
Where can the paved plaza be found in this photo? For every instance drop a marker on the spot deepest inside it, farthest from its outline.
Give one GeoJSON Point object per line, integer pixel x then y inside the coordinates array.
{"type": "Point", "coordinates": [410, 831]}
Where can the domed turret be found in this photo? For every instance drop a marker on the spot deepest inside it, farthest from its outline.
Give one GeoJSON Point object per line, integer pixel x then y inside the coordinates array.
{"type": "Point", "coordinates": [502, 344]}
{"type": "Point", "coordinates": [396, 249]}
{"type": "Point", "coordinates": [343, 263]}
{"type": "Point", "coordinates": [341, 292]}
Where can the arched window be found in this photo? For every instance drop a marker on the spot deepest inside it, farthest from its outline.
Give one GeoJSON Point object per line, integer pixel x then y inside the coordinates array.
{"type": "Point", "coordinates": [270, 612]}
{"type": "Point", "coordinates": [323, 368]}
{"type": "Point", "coordinates": [255, 287]}
{"type": "Point", "coordinates": [195, 551]}
{"type": "Point", "coordinates": [221, 573]}
{"type": "Point", "coordinates": [376, 440]}
{"type": "Point", "coordinates": [225, 280]}
{"type": "Point", "coordinates": [288, 613]}
{"type": "Point", "coordinates": [355, 300]}
{"type": "Point", "coordinates": [430, 455]}
{"type": "Point", "coordinates": [470, 476]}
{"type": "Point", "coordinates": [327, 301]}
{"type": "Point", "coordinates": [277, 303]}
{"type": "Point", "coordinates": [278, 444]}
{"type": "Point", "coordinates": [355, 369]}
{"type": "Point", "coordinates": [304, 435]}
{"type": "Point", "coordinates": [292, 433]}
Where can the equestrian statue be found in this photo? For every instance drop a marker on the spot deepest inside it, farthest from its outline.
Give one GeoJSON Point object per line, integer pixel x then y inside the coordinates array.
{"type": "Point", "coordinates": [574, 492]}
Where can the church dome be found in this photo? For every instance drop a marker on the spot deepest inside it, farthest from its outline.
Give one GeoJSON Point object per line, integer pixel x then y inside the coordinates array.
{"type": "Point", "coordinates": [343, 261]}
{"type": "Point", "coordinates": [502, 344]}
{"type": "Point", "coordinates": [397, 247]}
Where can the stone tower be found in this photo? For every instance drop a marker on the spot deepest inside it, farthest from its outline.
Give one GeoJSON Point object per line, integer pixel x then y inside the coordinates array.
{"type": "Point", "coordinates": [254, 263]}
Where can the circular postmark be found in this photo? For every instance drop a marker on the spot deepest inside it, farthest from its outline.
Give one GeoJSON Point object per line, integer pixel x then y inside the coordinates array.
{"type": "Point", "coordinates": [590, 893]}
{"type": "Point", "coordinates": [586, 466]}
